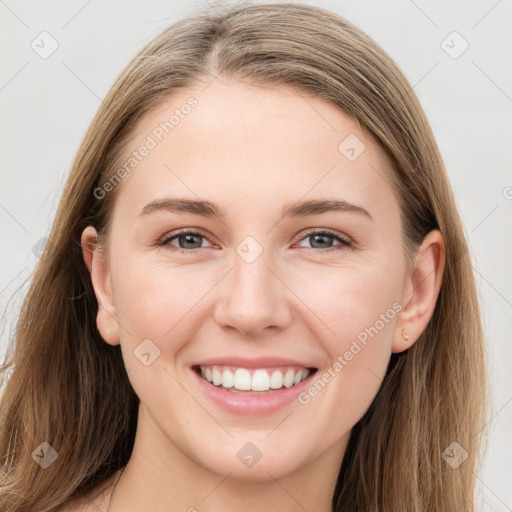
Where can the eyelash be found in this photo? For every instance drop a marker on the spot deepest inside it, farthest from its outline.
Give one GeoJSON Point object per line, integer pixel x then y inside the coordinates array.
{"type": "Point", "coordinates": [344, 242]}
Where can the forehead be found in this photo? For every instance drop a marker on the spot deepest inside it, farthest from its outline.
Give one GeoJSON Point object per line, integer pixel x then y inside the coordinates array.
{"type": "Point", "coordinates": [253, 147]}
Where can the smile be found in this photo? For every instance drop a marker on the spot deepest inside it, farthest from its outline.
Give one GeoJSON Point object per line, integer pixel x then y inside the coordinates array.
{"type": "Point", "coordinates": [251, 391]}
{"type": "Point", "coordinates": [253, 379]}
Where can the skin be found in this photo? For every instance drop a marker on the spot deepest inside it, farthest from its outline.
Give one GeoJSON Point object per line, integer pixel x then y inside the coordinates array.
{"type": "Point", "coordinates": [252, 150]}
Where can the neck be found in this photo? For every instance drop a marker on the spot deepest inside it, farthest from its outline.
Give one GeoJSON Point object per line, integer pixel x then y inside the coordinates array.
{"type": "Point", "coordinates": [162, 475]}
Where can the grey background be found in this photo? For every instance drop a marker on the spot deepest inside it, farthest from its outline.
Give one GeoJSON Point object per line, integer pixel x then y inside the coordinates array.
{"type": "Point", "coordinates": [48, 103]}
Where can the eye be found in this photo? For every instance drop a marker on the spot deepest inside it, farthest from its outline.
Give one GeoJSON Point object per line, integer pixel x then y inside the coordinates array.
{"type": "Point", "coordinates": [323, 239]}
{"type": "Point", "coordinates": [186, 239]}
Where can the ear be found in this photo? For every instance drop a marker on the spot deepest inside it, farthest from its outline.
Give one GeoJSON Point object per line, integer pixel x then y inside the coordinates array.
{"type": "Point", "coordinates": [106, 319]}
{"type": "Point", "coordinates": [421, 290]}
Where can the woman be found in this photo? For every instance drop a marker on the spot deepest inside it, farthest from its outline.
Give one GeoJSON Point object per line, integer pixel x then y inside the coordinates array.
{"type": "Point", "coordinates": [319, 348]}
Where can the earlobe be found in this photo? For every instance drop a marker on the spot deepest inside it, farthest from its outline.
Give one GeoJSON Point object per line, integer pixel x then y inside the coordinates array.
{"type": "Point", "coordinates": [421, 291]}
{"type": "Point", "coordinates": [106, 319]}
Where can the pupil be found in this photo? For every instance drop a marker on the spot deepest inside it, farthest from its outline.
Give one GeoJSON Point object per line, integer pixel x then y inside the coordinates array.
{"type": "Point", "coordinates": [185, 237]}
{"type": "Point", "coordinates": [320, 236]}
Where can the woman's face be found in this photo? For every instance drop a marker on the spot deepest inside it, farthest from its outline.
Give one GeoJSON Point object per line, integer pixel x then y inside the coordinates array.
{"type": "Point", "coordinates": [253, 288]}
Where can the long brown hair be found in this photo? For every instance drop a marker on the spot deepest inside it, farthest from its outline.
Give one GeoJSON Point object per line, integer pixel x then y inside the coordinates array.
{"type": "Point", "coordinates": [70, 389]}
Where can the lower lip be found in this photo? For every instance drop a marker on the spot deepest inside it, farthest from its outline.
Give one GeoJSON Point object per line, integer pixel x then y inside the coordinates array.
{"type": "Point", "coordinates": [252, 404]}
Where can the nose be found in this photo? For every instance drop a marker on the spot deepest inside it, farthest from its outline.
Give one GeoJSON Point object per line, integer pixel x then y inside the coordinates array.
{"type": "Point", "coordinates": [253, 297]}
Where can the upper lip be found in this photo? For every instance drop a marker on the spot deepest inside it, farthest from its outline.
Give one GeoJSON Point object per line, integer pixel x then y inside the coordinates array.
{"type": "Point", "coordinates": [257, 362]}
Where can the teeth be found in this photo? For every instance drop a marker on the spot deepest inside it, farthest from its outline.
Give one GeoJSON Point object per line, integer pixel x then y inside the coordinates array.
{"type": "Point", "coordinates": [288, 378]}
{"type": "Point", "coordinates": [228, 379]}
{"type": "Point", "coordinates": [276, 381]}
{"type": "Point", "coordinates": [216, 376]}
{"type": "Point", "coordinates": [260, 380]}
{"type": "Point", "coordinates": [242, 380]}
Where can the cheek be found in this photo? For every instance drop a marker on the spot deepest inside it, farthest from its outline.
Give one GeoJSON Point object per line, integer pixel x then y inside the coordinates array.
{"type": "Point", "coordinates": [360, 306]}
{"type": "Point", "coordinates": [157, 307]}
{"type": "Point", "coordinates": [358, 310]}
{"type": "Point", "coordinates": [352, 303]}
{"type": "Point", "coordinates": [151, 298]}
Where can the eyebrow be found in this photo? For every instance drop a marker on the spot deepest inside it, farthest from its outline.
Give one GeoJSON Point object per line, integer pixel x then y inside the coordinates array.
{"type": "Point", "coordinates": [203, 208]}
{"type": "Point", "coordinates": [209, 209]}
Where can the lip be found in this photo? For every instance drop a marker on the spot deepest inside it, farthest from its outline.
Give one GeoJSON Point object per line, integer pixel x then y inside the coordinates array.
{"type": "Point", "coordinates": [257, 362]}
{"type": "Point", "coordinates": [251, 404]}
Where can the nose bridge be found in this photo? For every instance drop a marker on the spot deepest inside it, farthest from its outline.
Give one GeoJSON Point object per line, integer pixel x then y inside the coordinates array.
{"type": "Point", "coordinates": [253, 278]}
{"type": "Point", "coordinates": [254, 298]}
